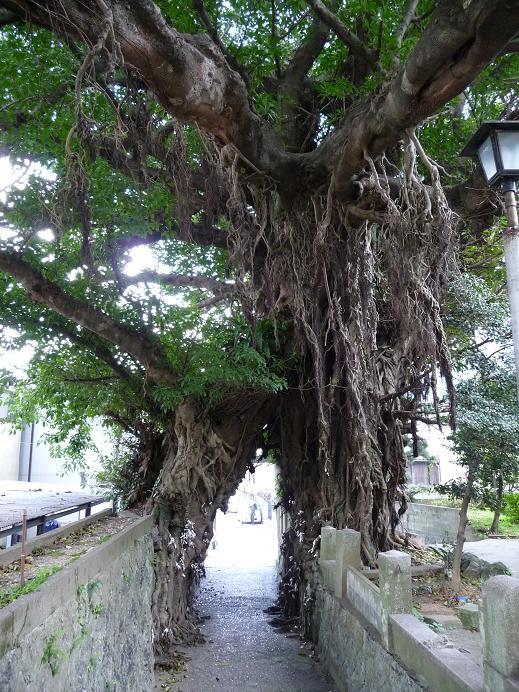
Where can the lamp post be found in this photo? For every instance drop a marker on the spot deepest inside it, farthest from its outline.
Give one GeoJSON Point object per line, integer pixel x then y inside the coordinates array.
{"type": "Point", "coordinates": [496, 144]}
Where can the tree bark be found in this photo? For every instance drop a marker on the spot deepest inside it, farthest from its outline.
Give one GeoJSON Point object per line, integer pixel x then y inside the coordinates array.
{"type": "Point", "coordinates": [204, 462]}
{"type": "Point", "coordinates": [460, 536]}
{"type": "Point", "coordinates": [499, 504]}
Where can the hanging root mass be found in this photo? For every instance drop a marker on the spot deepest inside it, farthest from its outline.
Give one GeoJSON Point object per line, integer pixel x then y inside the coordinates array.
{"type": "Point", "coordinates": [362, 284]}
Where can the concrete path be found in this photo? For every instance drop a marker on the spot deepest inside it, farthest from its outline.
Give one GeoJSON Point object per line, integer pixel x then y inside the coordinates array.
{"type": "Point", "coordinates": [243, 653]}
{"type": "Point", "coordinates": [497, 550]}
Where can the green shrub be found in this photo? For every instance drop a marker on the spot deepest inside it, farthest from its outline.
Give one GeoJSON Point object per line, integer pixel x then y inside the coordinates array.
{"type": "Point", "coordinates": [511, 506]}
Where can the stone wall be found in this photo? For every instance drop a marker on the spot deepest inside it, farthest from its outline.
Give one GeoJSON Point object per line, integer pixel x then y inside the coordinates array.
{"type": "Point", "coordinates": [434, 524]}
{"type": "Point", "coordinates": [351, 650]}
{"type": "Point", "coordinates": [88, 628]}
{"type": "Point", "coordinates": [368, 638]}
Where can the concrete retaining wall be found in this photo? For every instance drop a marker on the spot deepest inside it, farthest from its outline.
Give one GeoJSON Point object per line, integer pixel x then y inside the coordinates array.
{"type": "Point", "coordinates": [88, 628]}
{"type": "Point", "coordinates": [433, 660]}
{"type": "Point", "coordinates": [434, 524]}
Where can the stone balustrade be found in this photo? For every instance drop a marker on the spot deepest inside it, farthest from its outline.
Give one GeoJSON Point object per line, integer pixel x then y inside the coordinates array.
{"type": "Point", "coordinates": [395, 640]}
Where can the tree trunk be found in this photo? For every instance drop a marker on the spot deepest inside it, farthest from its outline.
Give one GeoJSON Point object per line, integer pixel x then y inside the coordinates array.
{"type": "Point", "coordinates": [499, 503]}
{"type": "Point", "coordinates": [460, 536]}
{"type": "Point", "coordinates": [206, 458]}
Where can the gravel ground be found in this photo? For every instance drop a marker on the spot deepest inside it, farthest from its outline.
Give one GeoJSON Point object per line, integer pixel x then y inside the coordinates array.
{"type": "Point", "coordinates": [243, 652]}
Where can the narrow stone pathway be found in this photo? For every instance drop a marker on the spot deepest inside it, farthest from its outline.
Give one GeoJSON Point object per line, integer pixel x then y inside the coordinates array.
{"type": "Point", "coordinates": [243, 652]}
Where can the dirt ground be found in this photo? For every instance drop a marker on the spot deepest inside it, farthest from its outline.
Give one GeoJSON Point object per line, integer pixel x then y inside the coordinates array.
{"type": "Point", "coordinates": [434, 593]}
{"type": "Point", "coordinates": [62, 552]}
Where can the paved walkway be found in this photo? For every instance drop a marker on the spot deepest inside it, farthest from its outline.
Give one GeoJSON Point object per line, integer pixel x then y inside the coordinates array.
{"type": "Point", "coordinates": [243, 653]}
{"type": "Point", "coordinates": [497, 550]}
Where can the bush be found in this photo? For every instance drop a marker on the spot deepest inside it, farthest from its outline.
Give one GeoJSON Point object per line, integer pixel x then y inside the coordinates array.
{"type": "Point", "coordinates": [511, 506]}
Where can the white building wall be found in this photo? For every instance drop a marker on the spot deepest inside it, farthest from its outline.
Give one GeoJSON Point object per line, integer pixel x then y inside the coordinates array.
{"type": "Point", "coordinates": [9, 451]}
{"type": "Point", "coordinates": [17, 463]}
{"type": "Point", "coordinates": [440, 446]}
{"type": "Point", "coordinates": [43, 467]}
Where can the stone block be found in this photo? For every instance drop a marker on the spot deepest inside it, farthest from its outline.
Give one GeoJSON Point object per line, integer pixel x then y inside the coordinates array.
{"type": "Point", "coordinates": [328, 573]}
{"type": "Point", "coordinates": [347, 546]}
{"type": "Point", "coordinates": [499, 623]}
{"type": "Point", "coordinates": [364, 596]}
{"type": "Point", "coordinates": [469, 616]}
{"type": "Point", "coordinates": [328, 539]}
{"type": "Point", "coordinates": [395, 587]}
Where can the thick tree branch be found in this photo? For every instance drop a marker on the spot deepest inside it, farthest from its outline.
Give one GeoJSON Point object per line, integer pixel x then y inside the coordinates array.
{"type": "Point", "coordinates": [192, 80]}
{"type": "Point", "coordinates": [210, 302]}
{"type": "Point", "coordinates": [342, 32]}
{"type": "Point", "coordinates": [7, 17]}
{"type": "Point", "coordinates": [199, 234]}
{"type": "Point", "coordinates": [416, 386]}
{"type": "Point", "coordinates": [91, 380]}
{"type": "Point", "coordinates": [39, 289]}
{"type": "Point", "coordinates": [91, 343]}
{"type": "Point", "coordinates": [291, 87]}
{"type": "Point", "coordinates": [459, 41]}
{"type": "Point", "coordinates": [204, 282]}
{"type": "Point", "coordinates": [406, 22]}
{"type": "Point", "coordinates": [411, 415]}
{"type": "Point", "coordinates": [213, 33]}
{"type": "Point", "coordinates": [187, 73]}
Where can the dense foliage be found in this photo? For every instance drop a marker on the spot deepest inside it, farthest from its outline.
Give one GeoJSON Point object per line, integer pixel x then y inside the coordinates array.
{"type": "Point", "coordinates": [487, 434]}
{"type": "Point", "coordinates": [235, 231]}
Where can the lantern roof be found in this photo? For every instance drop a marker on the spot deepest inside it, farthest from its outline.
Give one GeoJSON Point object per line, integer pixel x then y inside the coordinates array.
{"type": "Point", "coordinates": [471, 147]}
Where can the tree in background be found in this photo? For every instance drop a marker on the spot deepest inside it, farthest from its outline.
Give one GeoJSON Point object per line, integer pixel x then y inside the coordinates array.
{"type": "Point", "coordinates": [486, 440]}
{"type": "Point", "coordinates": [279, 164]}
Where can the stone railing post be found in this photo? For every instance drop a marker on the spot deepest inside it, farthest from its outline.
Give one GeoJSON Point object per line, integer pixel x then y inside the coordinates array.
{"type": "Point", "coordinates": [499, 625]}
{"type": "Point", "coordinates": [328, 538]}
{"type": "Point", "coordinates": [347, 551]}
{"type": "Point", "coordinates": [327, 557]}
{"type": "Point", "coordinates": [395, 588]}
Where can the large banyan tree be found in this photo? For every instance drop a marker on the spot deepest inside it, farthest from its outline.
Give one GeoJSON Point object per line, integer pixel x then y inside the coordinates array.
{"type": "Point", "coordinates": [238, 224]}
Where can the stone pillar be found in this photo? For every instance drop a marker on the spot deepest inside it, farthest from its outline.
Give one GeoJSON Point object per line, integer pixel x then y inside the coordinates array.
{"type": "Point", "coordinates": [347, 545]}
{"type": "Point", "coordinates": [499, 623]}
{"type": "Point", "coordinates": [395, 588]}
{"type": "Point", "coordinates": [328, 542]}
{"type": "Point", "coordinates": [327, 557]}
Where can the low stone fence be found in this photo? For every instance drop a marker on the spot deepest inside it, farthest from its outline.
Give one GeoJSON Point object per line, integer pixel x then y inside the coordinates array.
{"type": "Point", "coordinates": [434, 524]}
{"type": "Point", "coordinates": [369, 640]}
{"type": "Point", "coordinates": [89, 627]}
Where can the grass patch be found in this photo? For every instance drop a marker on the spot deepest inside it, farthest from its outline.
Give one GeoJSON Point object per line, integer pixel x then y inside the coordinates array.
{"type": "Point", "coordinates": [10, 595]}
{"type": "Point", "coordinates": [481, 520]}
